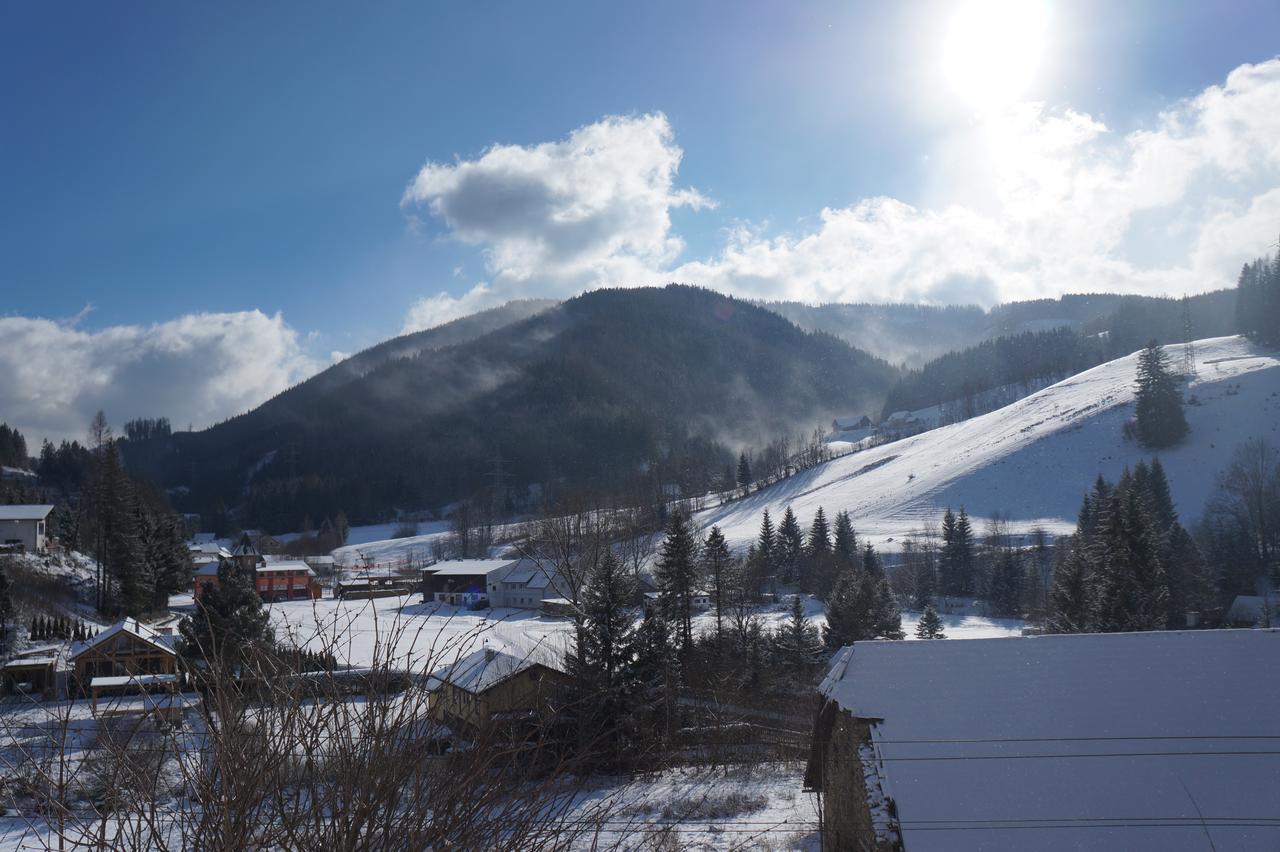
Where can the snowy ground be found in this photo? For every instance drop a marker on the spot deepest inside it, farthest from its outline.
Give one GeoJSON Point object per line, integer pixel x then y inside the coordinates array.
{"type": "Point", "coordinates": [412, 635]}
{"type": "Point", "coordinates": [1033, 460]}
{"type": "Point", "coordinates": [409, 634]}
{"type": "Point", "coordinates": [744, 807]}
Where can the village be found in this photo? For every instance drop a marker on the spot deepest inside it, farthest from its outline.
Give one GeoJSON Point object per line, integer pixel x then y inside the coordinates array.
{"type": "Point", "coordinates": [477, 651]}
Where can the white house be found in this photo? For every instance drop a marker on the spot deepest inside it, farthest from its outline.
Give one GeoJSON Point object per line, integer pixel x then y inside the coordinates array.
{"type": "Point", "coordinates": [24, 527]}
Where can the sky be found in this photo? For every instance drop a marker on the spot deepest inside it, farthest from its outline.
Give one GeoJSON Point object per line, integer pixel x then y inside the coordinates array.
{"type": "Point", "coordinates": [205, 203]}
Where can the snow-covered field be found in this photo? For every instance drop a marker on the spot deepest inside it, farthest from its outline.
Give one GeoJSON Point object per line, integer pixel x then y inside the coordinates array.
{"type": "Point", "coordinates": [1032, 461]}
{"type": "Point", "coordinates": [408, 634]}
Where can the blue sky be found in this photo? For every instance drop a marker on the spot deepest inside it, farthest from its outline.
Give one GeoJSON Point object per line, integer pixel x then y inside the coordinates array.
{"type": "Point", "coordinates": [242, 168]}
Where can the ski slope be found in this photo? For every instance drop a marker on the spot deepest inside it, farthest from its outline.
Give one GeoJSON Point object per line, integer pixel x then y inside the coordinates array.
{"type": "Point", "coordinates": [1032, 461]}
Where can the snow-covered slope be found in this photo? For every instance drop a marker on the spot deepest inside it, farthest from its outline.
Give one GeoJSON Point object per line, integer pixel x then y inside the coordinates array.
{"type": "Point", "coordinates": [1033, 460]}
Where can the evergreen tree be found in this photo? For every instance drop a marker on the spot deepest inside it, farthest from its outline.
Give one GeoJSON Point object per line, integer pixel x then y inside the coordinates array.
{"type": "Point", "coordinates": [845, 547]}
{"type": "Point", "coordinates": [797, 643]}
{"type": "Point", "coordinates": [230, 627]}
{"type": "Point", "coordinates": [766, 549]}
{"type": "Point", "coordinates": [1006, 583]}
{"type": "Point", "coordinates": [1133, 593]}
{"type": "Point", "coordinates": [715, 567]}
{"type": "Point", "coordinates": [675, 577]}
{"type": "Point", "coordinates": [930, 626]}
{"type": "Point", "coordinates": [656, 673]}
{"type": "Point", "coordinates": [602, 665]}
{"type": "Point", "coordinates": [1160, 420]}
{"type": "Point", "coordinates": [819, 561]}
{"type": "Point", "coordinates": [790, 547]}
{"type": "Point", "coordinates": [861, 605]}
{"type": "Point", "coordinates": [744, 471]}
{"type": "Point", "coordinates": [819, 544]}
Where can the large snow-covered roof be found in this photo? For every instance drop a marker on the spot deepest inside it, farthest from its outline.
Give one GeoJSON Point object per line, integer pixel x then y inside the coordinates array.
{"type": "Point", "coordinates": [1116, 741]}
{"type": "Point", "coordinates": [468, 567]}
{"type": "Point", "coordinates": [24, 513]}
{"type": "Point", "coordinates": [285, 566]}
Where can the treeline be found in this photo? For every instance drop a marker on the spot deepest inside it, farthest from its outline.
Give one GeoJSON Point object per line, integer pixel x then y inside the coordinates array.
{"type": "Point", "coordinates": [140, 546]}
{"type": "Point", "coordinates": [1020, 359]}
{"type": "Point", "coordinates": [13, 447]}
{"type": "Point", "coordinates": [1130, 564]}
{"type": "Point", "coordinates": [1030, 359]}
{"type": "Point", "coordinates": [1258, 305]}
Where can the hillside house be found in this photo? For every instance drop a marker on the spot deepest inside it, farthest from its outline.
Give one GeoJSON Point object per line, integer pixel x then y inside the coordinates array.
{"type": "Point", "coordinates": [489, 687]}
{"type": "Point", "coordinates": [1109, 741]}
{"type": "Point", "coordinates": [25, 528]}
{"type": "Point", "coordinates": [116, 658]}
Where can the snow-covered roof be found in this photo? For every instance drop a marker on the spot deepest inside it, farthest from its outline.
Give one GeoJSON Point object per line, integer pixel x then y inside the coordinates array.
{"type": "Point", "coordinates": [25, 512]}
{"type": "Point", "coordinates": [1116, 741]}
{"type": "Point", "coordinates": [1251, 608]}
{"type": "Point", "coordinates": [134, 628]}
{"type": "Point", "coordinates": [134, 680]}
{"type": "Point", "coordinates": [481, 670]}
{"type": "Point", "coordinates": [207, 569]}
{"type": "Point", "coordinates": [468, 567]}
{"type": "Point", "coordinates": [284, 566]}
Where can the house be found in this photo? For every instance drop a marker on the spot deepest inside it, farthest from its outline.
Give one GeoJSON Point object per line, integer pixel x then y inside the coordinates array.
{"type": "Point", "coordinates": [464, 582]}
{"type": "Point", "coordinates": [274, 580]}
{"type": "Point", "coordinates": [287, 580]}
{"type": "Point", "coordinates": [34, 672]}
{"type": "Point", "coordinates": [24, 528]}
{"type": "Point", "coordinates": [127, 649]}
{"type": "Point", "coordinates": [849, 424]}
{"type": "Point", "coordinates": [1159, 740]}
{"type": "Point", "coordinates": [489, 687]}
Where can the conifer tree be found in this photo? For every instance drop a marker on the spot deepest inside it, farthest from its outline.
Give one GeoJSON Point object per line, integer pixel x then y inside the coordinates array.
{"type": "Point", "coordinates": [1160, 420]}
{"type": "Point", "coordinates": [845, 547]}
{"type": "Point", "coordinates": [1134, 592]}
{"type": "Point", "coordinates": [715, 567]}
{"type": "Point", "coordinates": [744, 471]}
{"type": "Point", "coordinates": [819, 543]}
{"type": "Point", "coordinates": [602, 665]}
{"type": "Point", "coordinates": [1006, 583]}
{"type": "Point", "coordinates": [675, 578]}
{"type": "Point", "coordinates": [930, 626]}
{"type": "Point", "coordinates": [230, 626]}
{"type": "Point", "coordinates": [790, 547]}
{"type": "Point", "coordinates": [797, 643]}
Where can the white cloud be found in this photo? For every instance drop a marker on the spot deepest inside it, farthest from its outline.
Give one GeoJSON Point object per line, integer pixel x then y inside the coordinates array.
{"type": "Point", "coordinates": [431, 311]}
{"type": "Point", "coordinates": [593, 209]}
{"type": "Point", "coordinates": [1032, 202]}
{"type": "Point", "coordinates": [1039, 202]}
{"type": "Point", "coordinates": [197, 369]}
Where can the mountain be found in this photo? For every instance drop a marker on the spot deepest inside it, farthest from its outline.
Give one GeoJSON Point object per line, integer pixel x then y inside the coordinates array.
{"type": "Point", "coordinates": [409, 345]}
{"type": "Point", "coordinates": [1032, 461]}
{"type": "Point", "coordinates": [615, 389]}
{"type": "Point", "coordinates": [913, 335]}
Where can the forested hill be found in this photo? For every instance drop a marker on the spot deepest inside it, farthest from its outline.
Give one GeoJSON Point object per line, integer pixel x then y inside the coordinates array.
{"type": "Point", "coordinates": [408, 345]}
{"type": "Point", "coordinates": [615, 388]}
{"type": "Point", "coordinates": [1081, 338]}
{"type": "Point", "coordinates": [912, 335]}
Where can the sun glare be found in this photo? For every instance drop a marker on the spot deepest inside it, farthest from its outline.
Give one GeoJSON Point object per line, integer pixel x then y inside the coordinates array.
{"type": "Point", "coordinates": [993, 49]}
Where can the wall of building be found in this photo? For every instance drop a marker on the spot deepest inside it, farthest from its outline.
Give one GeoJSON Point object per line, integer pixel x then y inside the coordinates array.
{"type": "Point", "coordinates": [847, 823]}
{"type": "Point", "coordinates": [30, 534]}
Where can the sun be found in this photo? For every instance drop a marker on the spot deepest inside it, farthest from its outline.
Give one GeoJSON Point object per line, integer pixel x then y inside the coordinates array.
{"type": "Point", "coordinates": [993, 49]}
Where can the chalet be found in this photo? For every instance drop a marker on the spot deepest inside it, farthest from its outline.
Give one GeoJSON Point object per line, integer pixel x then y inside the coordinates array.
{"type": "Point", "coordinates": [491, 687]}
{"type": "Point", "coordinates": [1254, 610]}
{"type": "Point", "coordinates": [25, 528]}
{"type": "Point", "coordinates": [1155, 740]}
{"type": "Point", "coordinates": [366, 586]}
{"type": "Point", "coordinates": [849, 424]}
{"type": "Point", "coordinates": [127, 649]}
